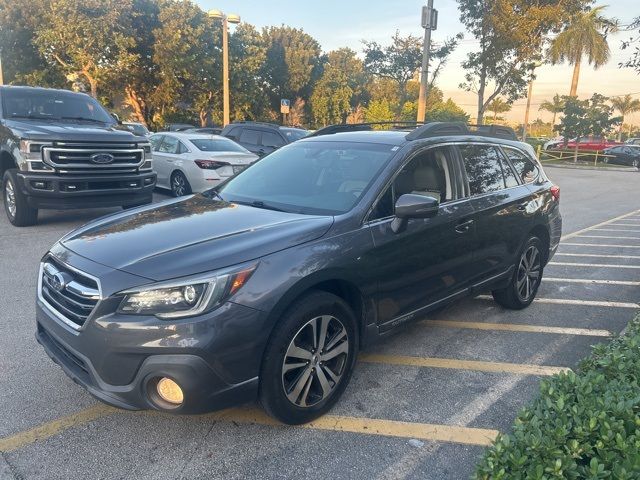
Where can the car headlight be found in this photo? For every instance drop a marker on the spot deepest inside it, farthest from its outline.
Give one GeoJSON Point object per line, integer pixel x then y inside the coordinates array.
{"type": "Point", "coordinates": [184, 298]}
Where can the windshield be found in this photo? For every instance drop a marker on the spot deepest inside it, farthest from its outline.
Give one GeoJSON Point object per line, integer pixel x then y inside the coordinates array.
{"type": "Point", "coordinates": [217, 145]}
{"type": "Point", "coordinates": [294, 134]}
{"type": "Point", "coordinates": [326, 178]}
{"type": "Point", "coordinates": [52, 105]}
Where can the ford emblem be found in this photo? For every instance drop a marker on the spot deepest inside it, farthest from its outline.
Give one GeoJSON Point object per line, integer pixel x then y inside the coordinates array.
{"type": "Point", "coordinates": [102, 158]}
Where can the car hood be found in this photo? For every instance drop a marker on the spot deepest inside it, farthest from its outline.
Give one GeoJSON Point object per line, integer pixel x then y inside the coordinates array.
{"type": "Point", "coordinates": [69, 130]}
{"type": "Point", "coordinates": [192, 235]}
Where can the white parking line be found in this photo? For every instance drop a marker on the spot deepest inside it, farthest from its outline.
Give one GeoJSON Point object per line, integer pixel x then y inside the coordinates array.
{"type": "Point", "coordinates": [615, 230]}
{"type": "Point", "coordinates": [599, 245]}
{"type": "Point", "coordinates": [570, 301]}
{"type": "Point", "coordinates": [610, 236]}
{"type": "Point", "coordinates": [629, 283]}
{"type": "Point", "coordinates": [602, 255]}
{"type": "Point", "coordinates": [601, 224]}
{"type": "Point", "coordinates": [595, 265]}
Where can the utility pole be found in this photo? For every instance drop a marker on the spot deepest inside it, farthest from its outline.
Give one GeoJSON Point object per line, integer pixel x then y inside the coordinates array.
{"type": "Point", "coordinates": [225, 71]}
{"type": "Point", "coordinates": [1, 75]}
{"type": "Point", "coordinates": [429, 22]}
{"type": "Point", "coordinates": [525, 126]}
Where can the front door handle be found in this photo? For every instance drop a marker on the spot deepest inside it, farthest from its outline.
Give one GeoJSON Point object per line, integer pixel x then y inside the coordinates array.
{"type": "Point", "coordinates": [464, 226]}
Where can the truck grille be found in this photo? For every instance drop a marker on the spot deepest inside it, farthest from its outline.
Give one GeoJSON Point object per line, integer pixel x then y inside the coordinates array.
{"type": "Point", "coordinates": [101, 157]}
{"type": "Point", "coordinates": [69, 293]}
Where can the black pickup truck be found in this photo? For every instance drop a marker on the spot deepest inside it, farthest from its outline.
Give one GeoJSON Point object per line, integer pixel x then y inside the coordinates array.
{"type": "Point", "coordinates": [61, 149]}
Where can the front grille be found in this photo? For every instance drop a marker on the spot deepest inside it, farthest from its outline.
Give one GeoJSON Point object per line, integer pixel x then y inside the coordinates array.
{"type": "Point", "coordinates": [71, 294]}
{"type": "Point", "coordinates": [76, 157]}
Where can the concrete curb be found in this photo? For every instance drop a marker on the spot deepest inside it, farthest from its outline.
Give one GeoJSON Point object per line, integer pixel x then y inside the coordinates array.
{"type": "Point", "coordinates": [600, 169]}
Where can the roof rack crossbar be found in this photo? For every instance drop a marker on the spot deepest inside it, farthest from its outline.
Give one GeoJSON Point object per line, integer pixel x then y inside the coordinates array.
{"type": "Point", "coordinates": [439, 129]}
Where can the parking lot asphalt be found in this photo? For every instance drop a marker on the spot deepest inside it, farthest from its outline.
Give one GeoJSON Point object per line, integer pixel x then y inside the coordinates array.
{"type": "Point", "coordinates": [422, 404]}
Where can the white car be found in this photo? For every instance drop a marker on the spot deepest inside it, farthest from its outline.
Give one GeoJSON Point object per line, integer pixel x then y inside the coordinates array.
{"type": "Point", "coordinates": [190, 162]}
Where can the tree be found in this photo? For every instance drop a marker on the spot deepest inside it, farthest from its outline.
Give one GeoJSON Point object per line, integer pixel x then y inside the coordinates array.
{"type": "Point", "coordinates": [585, 35]}
{"type": "Point", "coordinates": [555, 106]}
{"type": "Point", "coordinates": [586, 117]}
{"type": "Point", "coordinates": [447, 112]}
{"type": "Point", "coordinates": [330, 101]}
{"type": "Point", "coordinates": [498, 105]}
{"type": "Point", "coordinates": [292, 64]}
{"type": "Point", "coordinates": [378, 111]}
{"type": "Point", "coordinates": [510, 34]}
{"type": "Point", "coordinates": [625, 105]}
{"type": "Point", "coordinates": [633, 41]}
{"type": "Point", "coordinates": [346, 60]}
{"type": "Point", "coordinates": [87, 39]}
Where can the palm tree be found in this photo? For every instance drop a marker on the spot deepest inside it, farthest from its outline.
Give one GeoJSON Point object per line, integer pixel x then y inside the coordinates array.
{"type": "Point", "coordinates": [498, 105]}
{"type": "Point", "coordinates": [586, 35]}
{"type": "Point", "coordinates": [555, 106]}
{"type": "Point", "coordinates": [625, 105]}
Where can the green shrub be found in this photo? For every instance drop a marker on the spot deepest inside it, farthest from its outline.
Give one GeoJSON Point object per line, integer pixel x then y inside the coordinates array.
{"type": "Point", "coordinates": [583, 425]}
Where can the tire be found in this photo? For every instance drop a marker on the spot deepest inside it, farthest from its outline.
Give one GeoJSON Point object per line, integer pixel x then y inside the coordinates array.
{"type": "Point", "coordinates": [16, 207]}
{"type": "Point", "coordinates": [524, 283]}
{"type": "Point", "coordinates": [296, 395]}
{"type": "Point", "coordinates": [179, 184]}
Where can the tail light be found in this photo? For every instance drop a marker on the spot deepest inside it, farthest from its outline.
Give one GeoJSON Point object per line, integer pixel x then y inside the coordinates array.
{"type": "Point", "coordinates": [555, 192]}
{"type": "Point", "coordinates": [211, 164]}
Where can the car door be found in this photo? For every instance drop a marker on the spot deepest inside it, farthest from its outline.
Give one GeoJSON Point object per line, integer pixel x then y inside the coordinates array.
{"type": "Point", "coordinates": [504, 209]}
{"type": "Point", "coordinates": [270, 142]}
{"type": "Point", "coordinates": [249, 138]}
{"type": "Point", "coordinates": [159, 162]}
{"type": "Point", "coordinates": [167, 152]}
{"type": "Point", "coordinates": [429, 260]}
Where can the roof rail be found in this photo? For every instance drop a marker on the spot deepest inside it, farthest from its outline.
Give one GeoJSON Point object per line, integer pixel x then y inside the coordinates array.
{"type": "Point", "coordinates": [359, 127]}
{"type": "Point", "coordinates": [440, 129]}
{"type": "Point", "coordinates": [258, 122]}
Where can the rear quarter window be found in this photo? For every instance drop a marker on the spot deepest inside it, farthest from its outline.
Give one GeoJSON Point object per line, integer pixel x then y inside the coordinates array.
{"type": "Point", "coordinates": [525, 167]}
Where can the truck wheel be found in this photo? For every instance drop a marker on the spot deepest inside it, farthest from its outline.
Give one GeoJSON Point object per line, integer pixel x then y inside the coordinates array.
{"type": "Point", "coordinates": [179, 184]}
{"type": "Point", "coordinates": [18, 210]}
{"type": "Point", "coordinates": [309, 358]}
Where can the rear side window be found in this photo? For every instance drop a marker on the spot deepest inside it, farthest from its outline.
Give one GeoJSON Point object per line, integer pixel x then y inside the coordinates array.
{"type": "Point", "coordinates": [270, 139]}
{"type": "Point", "coordinates": [484, 171]}
{"type": "Point", "coordinates": [169, 145]}
{"type": "Point", "coordinates": [250, 137]}
{"type": "Point", "coordinates": [525, 168]}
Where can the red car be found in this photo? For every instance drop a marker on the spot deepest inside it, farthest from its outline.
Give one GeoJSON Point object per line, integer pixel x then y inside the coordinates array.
{"type": "Point", "coordinates": [592, 143]}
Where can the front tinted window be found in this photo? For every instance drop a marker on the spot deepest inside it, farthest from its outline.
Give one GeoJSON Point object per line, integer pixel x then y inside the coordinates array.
{"type": "Point", "coordinates": [311, 177]}
{"type": "Point", "coordinates": [484, 172]}
{"type": "Point", "coordinates": [52, 105]}
{"type": "Point", "coordinates": [156, 141]}
{"type": "Point", "coordinates": [250, 137]}
{"type": "Point", "coordinates": [270, 139]}
{"type": "Point", "coordinates": [217, 145]}
{"type": "Point", "coordinates": [169, 145]}
{"type": "Point", "coordinates": [294, 134]}
{"type": "Point", "coordinates": [525, 168]}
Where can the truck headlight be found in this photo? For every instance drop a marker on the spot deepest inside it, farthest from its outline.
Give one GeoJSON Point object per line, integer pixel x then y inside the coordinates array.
{"type": "Point", "coordinates": [32, 153]}
{"type": "Point", "coordinates": [184, 298]}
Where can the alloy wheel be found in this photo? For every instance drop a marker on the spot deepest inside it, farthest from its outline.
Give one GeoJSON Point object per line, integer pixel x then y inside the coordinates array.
{"type": "Point", "coordinates": [528, 274]}
{"type": "Point", "coordinates": [315, 361]}
{"type": "Point", "coordinates": [179, 185]}
{"type": "Point", "coordinates": [10, 197]}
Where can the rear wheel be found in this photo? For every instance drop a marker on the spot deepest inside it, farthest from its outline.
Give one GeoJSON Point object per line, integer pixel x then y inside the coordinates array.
{"type": "Point", "coordinates": [526, 279]}
{"type": "Point", "coordinates": [18, 210]}
{"type": "Point", "coordinates": [179, 184]}
{"type": "Point", "coordinates": [309, 359]}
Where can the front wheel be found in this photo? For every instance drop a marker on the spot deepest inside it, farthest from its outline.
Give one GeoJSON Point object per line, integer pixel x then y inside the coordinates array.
{"type": "Point", "coordinates": [309, 359]}
{"type": "Point", "coordinates": [18, 210]}
{"type": "Point", "coordinates": [524, 284]}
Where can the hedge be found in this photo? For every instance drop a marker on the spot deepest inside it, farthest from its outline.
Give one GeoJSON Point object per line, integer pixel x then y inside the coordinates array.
{"type": "Point", "coordinates": [583, 425]}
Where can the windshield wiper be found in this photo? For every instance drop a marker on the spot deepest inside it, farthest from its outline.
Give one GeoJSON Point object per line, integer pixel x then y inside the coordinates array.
{"type": "Point", "coordinates": [33, 117]}
{"type": "Point", "coordinates": [85, 119]}
{"type": "Point", "coordinates": [216, 194]}
{"type": "Point", "coordinates": [266, 206]}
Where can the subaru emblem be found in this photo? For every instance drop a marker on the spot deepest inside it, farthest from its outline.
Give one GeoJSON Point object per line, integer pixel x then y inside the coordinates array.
{"type": "Point", "coordinates": [102, 158]}
{"type": "Point", "coordinates": [58, 282]}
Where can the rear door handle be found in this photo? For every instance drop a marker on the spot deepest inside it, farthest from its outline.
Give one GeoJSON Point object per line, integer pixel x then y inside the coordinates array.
{"type": "Point", "coordinates": [464, 226]}
{"type": "Point", "coordinates": [523, 206]}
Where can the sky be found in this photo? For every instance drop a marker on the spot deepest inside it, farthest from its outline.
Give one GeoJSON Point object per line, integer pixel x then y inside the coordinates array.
{"type": "Point", "coordinates": [345, 23]}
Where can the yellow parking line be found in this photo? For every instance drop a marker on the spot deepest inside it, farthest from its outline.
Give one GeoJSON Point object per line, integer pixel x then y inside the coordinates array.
{"type": "Point", "coordinates": [571, 301]}
{"type": "Point", "coordinates": [595, 265]}
{"type": "Point", "coordinates": [588, 280]}
{"type": "Point", "coordinates": [54, 427]}
{"type": "Point", "coordinates": [372, 426]}
{"type": "Point", "coordinates": [601, 224]}
{"type": "Point", "coordinates": [602, 255]}
{"type": "Point", "coordinates": [482, 366]}
{"type": "Point", "coordinates": [514, 327]}
{"type": "Point", "coordinates": [600, 245]}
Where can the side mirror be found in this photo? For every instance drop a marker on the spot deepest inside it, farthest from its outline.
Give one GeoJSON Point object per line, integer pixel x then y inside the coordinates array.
{"type": "Point", "coordinates": [116, 118]}
{"type": "Point", "coordinates": [413, 206]}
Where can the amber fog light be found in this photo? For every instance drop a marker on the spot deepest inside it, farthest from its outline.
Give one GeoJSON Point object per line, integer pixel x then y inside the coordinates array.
{"type": "Point", "coordinates": [170, 391]}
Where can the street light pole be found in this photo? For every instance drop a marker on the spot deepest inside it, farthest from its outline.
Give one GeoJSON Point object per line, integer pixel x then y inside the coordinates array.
{"type": "Point", "coordinates": [429, 22]}
{"type": "Point", "coordinates": [525, 126]}
{"type": "Point", "coordinates": [226, 20]}
{"type": "Point", "coordinates": [1, 75]}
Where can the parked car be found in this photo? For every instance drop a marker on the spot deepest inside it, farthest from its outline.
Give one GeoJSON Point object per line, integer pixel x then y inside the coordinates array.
{"type": "Point", "coordinates": [195, 162]}
{"type": "Point", "coordinates": [61, 149]}
{"type": "Point", "coordinates": [591, 143]}
{"type": "Point", "coordinates": [268, 285]}
{"type": "Point", "coordinates": [136, 128]}
{"type": "Point", "coordinates": [178, 127]}
{"type": "Point", "coordinates": [633, 141]}
{"type": "Point", "coordinates": [553, 143]}
{"type": "Point", "coordinates": [262, 138]}
{"type": "Point", "coordinates": [623, 155]}
{"type": "Point", "coordinates": [209, 130]}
